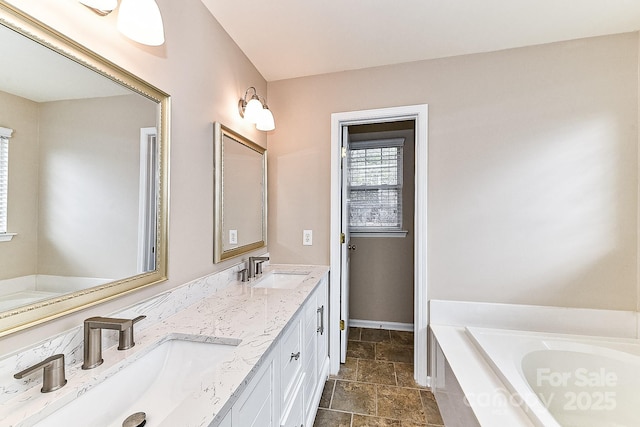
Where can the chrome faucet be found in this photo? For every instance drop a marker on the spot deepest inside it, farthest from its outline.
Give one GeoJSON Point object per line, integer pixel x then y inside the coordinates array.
{"type": "Point", "coordinates": [53, 376]}
{"type": "Point", "coordinates": [253, 262]}
{"type": "Point", "coordinates": [93, 327]}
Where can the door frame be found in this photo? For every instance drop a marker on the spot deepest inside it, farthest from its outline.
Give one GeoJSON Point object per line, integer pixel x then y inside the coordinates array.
{"type": "Point", "coordinates": [419, 113]}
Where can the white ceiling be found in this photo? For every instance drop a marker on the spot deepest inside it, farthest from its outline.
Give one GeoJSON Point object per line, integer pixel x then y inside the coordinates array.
{"type": "Point", "coordinates": [35, 72]}
{"type": "Point", "coordinates": [292, 38]}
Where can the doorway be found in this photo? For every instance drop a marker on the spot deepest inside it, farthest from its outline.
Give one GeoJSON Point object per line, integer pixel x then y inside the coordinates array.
{"type": "Point", "coordinates": [381, 171]}
{"type": "Point", "coordinates": [339, 240]}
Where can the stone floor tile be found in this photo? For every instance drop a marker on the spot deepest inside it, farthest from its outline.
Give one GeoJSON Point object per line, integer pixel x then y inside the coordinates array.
{"type": "Point", "coordinates": [400, 403]}
{"type": "Point", "coordinates": [327, 392]}
{"type": "Point", "coordinates": [394, 352]}
{"type": "Point", "coordinates": [404, 375]}
{"type": "Point", "coordinates": [348, 370]}
{"type": "Point", "coordinates": [366, 421]}
{"type": "Point", "coordinates": [358, 398]}
{"type": "Point", "coordinates": [327, 418]}
{"type": "Point", "coordinates": [354, 333]}
{"type": "Point", "coordinates": [362, 350]}
{"type": "Point", "coordinates": [431, 408]}
{"type": "Point", "coordinates": [375, 335]}
{"type": "Point", "coordinates": [375, 371]}
{"type": "Point", "coordinates": [402, 337]}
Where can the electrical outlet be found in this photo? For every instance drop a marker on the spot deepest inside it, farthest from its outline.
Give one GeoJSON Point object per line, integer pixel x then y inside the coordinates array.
{"type": "Point", "coordinates": [233, 237]}
{"type": "Point", "coordinates": [307, 237]}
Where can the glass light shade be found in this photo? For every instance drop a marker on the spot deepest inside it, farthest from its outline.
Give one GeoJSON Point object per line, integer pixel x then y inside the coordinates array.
{"type": "Point", "coordinates": [106, 5]}
{"type": "Point", "coordinates": [265, 121]}
{"type": "Point", "coordinates": [140, 20]}
{"type": "Point", "coordinates": [253, 110]}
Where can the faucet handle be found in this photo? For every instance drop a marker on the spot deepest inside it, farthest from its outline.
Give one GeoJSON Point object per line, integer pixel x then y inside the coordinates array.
{"type": "Point", "coordinates": [125, 337]}
{"type": "Point", "coordinates": [53, 377]}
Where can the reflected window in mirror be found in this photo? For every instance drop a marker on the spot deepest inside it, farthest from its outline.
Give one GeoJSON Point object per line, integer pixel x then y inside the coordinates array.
{"type": "Point", "coordinates": [5, 134]}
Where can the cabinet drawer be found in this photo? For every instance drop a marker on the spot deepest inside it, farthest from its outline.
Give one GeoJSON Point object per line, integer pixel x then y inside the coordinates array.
{"type": "Point", "coordinates": [290, 360]}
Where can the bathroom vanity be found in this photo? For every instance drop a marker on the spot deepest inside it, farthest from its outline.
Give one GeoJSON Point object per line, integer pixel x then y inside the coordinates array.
{"type": "Point", "coordinates": [253, 353]}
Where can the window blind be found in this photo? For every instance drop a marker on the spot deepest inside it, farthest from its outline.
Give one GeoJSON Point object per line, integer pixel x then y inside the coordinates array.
{"type": "Point", "coordinates": [375, 185]}
{"type": "Point", "coordinates": [5, 134]}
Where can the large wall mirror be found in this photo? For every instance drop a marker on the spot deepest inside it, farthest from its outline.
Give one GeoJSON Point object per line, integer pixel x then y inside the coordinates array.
{"type": "Point", "coordinates": [240, 194]}
{"type": "Point", "coordinates": [85, 202]}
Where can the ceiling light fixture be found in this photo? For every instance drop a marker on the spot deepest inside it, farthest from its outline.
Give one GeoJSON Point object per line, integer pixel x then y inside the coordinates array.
{"type": "Point", "coordinates": [139, 20]}
{"type": "Point", "coordinates": [256, 111]}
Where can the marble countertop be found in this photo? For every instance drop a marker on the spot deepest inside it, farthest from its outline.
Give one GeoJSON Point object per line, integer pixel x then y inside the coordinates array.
{"type": "Point", "coordinates": [253, 316]}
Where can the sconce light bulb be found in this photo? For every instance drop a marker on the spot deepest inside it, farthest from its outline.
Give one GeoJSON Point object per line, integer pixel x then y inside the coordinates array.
{"type": "Point", "coordinates": [140, 20]}
{"type": "Point", "coordinates": [253, 110]}
{"type": "Point", "coordinates": [265, 121]}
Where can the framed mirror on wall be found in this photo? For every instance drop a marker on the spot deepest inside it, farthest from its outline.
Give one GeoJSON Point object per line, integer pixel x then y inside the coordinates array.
{"type": "Point", "coordinates": [86, 198]}
{"type": "Point", "coordinates": [240, 201]}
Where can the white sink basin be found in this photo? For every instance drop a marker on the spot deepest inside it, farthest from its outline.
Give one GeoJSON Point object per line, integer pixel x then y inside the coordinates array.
{"type": "Point", "coordinates": [281, 280]}
{"type": "Point", "coordinates": [156, 383]}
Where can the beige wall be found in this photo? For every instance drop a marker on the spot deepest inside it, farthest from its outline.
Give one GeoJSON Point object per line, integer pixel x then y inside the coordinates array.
{"type": "Point", "coordinates": [89, 191]}
{"type": "Point", "coordinates": [19, 256]}
{"type": "Point", "coordinates": [532, 169]}
{"type": "Point", "coordinates": [205, 73]}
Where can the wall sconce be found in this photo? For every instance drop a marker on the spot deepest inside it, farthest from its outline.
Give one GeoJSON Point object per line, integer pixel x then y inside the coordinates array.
{"type": "Point", "coordinates": [139, 20]}
{"type": "Point", "coordinates": [256, 111]}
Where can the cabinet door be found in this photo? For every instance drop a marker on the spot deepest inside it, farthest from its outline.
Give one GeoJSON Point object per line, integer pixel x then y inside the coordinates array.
{"type": "Point", "coordinates": [322, 301]}
{"type": "Point", "coordinates": [226, 421]}
{"type": "Point", "coordinates": [294, 414]}
{"type": "Point", "coordinates": [257, 406]}
{"type": "Point", "coordinates": [310, 350]}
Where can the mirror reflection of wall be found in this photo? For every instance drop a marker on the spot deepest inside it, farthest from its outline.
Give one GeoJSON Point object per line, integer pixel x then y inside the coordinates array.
{"type": "Point", "coordinates": [243, 192]}
{"type": "Point", "coordinates": [73, 200]}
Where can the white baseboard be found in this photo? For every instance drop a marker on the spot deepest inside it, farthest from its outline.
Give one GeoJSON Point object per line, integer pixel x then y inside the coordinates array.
{"type": "Point", "coordinates": [375, 324]}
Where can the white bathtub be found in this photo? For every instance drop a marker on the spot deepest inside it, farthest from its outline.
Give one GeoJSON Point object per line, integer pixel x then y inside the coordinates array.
{"type": "Point", "coordinates": [566, 380]}
{"type": "Point", "coordinates": [20, 291]}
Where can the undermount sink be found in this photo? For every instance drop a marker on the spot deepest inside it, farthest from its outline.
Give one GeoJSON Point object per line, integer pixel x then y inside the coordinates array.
{"type": "Point", "coordinates": [281, 279]}
{"type": "Point", "coordinates": [156, 384]}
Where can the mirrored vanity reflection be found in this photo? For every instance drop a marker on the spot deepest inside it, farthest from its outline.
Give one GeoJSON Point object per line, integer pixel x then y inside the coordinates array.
{"type": "Point", "coordinates": [86, 203]}
{"type": "Point", "coordinates": [240, 194]}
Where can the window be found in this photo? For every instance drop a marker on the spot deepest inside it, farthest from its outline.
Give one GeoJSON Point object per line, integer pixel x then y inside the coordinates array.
{"type": "Point", "coordinates": [375, 186]}
{"type": "Point", "coordinates": [5, 134]}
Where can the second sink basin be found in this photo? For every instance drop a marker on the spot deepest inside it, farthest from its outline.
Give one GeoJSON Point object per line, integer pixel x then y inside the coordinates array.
{"type": "Point", "coordinates": [156, 383]}
{"type": "Point", "coordinates": [281, 280]}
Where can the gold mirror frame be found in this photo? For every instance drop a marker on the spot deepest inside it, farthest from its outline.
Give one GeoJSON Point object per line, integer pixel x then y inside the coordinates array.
{"type": "Point", "coordinates": [27, 316]}
{"type": "Point", "coordinates": [219, 253]}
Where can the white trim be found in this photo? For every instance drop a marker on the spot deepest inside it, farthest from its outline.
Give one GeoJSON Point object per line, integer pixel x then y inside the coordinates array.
{"type": "Point", "coordinates": [375, 324]}
{"type": "Point", "coordinates": [5, 132]}
{"type": "Point", "coordinates": [6, 237]}
{"type": "Point", "coordinates": [145, 238]}
{"type": "Point", "coordinates": [419, 113]}
{"type": "Point", "coordinates": [399, 233]}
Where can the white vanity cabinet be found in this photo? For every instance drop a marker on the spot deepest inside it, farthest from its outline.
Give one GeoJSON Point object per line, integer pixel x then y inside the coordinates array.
{"type": "Point", "coordinates": [316, 334]}
{"type": "Point", "coordinates": [286, 389]}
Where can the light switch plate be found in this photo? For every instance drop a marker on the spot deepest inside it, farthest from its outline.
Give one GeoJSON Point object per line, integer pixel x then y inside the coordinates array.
{"type": "Point", "coordinates": [233, 237]}
{"type": "Point", "coordinates": [307, 237]}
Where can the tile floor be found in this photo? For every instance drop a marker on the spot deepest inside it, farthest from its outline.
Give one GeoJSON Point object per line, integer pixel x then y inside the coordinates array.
{"type": "Point", "coordinates": [375, 387]}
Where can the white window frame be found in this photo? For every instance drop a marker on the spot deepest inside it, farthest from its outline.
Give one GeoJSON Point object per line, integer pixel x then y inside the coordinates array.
{"type": "Point", "coordinates": [5, 134]}
{"type": "Point", "coordinates": [373, 230]}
